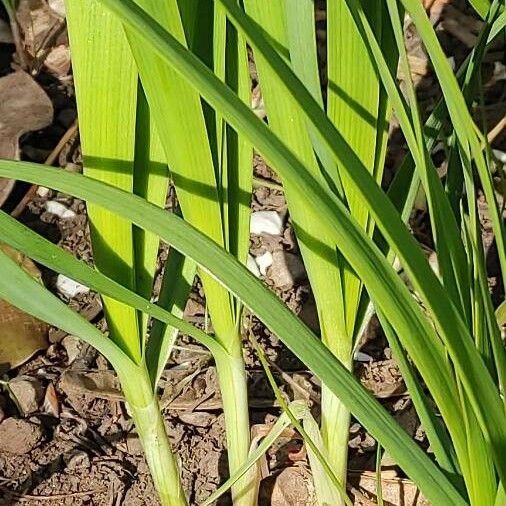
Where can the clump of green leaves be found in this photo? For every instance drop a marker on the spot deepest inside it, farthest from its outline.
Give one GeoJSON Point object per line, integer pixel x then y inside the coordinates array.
{"type": "Point", "coordinates": [163, 94]}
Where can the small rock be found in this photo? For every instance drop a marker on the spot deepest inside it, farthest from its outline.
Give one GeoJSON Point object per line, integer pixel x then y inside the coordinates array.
{"type": "Point", "coordinates": [19, 436]}
{"type": "Point", "coordinates": [252, 266]}
{"type": "Point", "coordinates": [286, 270]}
{"type": "Point", "coordinates": [292, 488]}
{"type": "Point", "coordinates": [499, 71]}
{"type": "Point", "coordinates": [76, 459]}
{"type": "Point", "coordinates": [194, 308]}
{"type": "Point", "coordinates": [197, 419]}
{"type": "Point", "coordinates": [264, 262]}
{"type": "Point", "coordinates": [58, 61]}
{"type": "Point", "coordinates": [42, 191]}
{"type": "Point", "coordinates": [368, 443]}
{"type": "Point", "coordinates": [387, 460]}
{"type": "Point", "coordinates": [28, 393]}
{"type": "Point", "coordinates": [59, 209]}
{"type": "Point", "coordinates": [500, 155]}
{"type": "Point", "coordinates": [134, 445]}
{"type": "Point", "coordinates": [266, 222]}
{"type": "Point", "coordinates": [362, 357]}
{"type": "Point", "coordinates": [70, 288]}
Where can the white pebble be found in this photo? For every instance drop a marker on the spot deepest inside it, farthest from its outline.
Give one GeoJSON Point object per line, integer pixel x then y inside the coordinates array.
{"type": "Point", "coordinates": [59, 209]}
{"type": "Point", "coordinates": [500, 155]}
{"type": "Point", "coordinates": [266, 222]}
{"type": "Point", "coordinates": [252, 266]}
{"type": "Point", "coordinates": [499, 71]}
{"type": "Point", "coordinates": [264, 262]}
{"type": "Point", "coordinates": [42, 191]}
{"type": "Point", "coordinates": [70, 288]}
{"type": "Point", "coordinates": [451, 61]}
{"type": "Point", "coordinates": [362, 357]}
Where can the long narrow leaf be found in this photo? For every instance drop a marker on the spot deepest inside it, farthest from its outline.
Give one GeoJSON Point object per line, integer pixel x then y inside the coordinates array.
{"type": "Point", "coordinates": [106, 87]}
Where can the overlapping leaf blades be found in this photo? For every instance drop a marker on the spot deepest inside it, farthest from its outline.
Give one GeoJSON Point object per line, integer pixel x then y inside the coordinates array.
{"type": "Point", "coordinates": [254, 295]}
{"type": "Point", "coordinates": [464, 388]}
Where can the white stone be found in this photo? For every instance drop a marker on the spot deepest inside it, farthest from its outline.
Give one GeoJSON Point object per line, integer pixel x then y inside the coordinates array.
{"type": "Point", "coordinates": [287, 270]}
{"type": "Point", "coordinates": [58, 209]}
{"type": "Point", "coordinates": [42, 191]}
{"type": "Point", "coordinates": [499, 71]}
{"type": "Point", "coordinates": [70, 288]}
{"type": "Point", "coordinates": [500, 155]}
{"type": "Point", "coordinates": [266, 222]}
{"type": "Point", "coordinates": [264, 262]}
{"type": "Point", "coordinates": [28, 393]}
{"type": "Point", "coordinates": [362, 357]}
{"type": "Point", "coordinates": [252, 266]}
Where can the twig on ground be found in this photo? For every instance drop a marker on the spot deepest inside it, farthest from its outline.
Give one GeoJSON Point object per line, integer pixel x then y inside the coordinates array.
{"type": "Point", "coordinates": [49, 161]}
{"type": "Point", "coordinates": [27, 497]}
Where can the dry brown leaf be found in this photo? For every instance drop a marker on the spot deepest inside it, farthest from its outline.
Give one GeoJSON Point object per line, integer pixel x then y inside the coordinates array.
{"type": "Point", "coordinates": [51, 405]}
{"type": "Point", "coordinates": [101, 384]}
{"type": "Point", "coordinates": [36, 21]}
{"type": "Point", "coordinates": [23, 261]}
{"type": "Point", "coordinates": [24, 107]}
{"type": "Point", "coordinates": [21, 335]}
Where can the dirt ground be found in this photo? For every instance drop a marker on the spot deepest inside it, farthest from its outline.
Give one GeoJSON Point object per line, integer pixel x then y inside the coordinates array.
{"type": "Point", "coordinates": [65, 434]}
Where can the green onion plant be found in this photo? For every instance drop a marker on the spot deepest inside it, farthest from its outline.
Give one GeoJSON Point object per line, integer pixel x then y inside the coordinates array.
{"type": "Point", "coordinates": [163, 98]}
